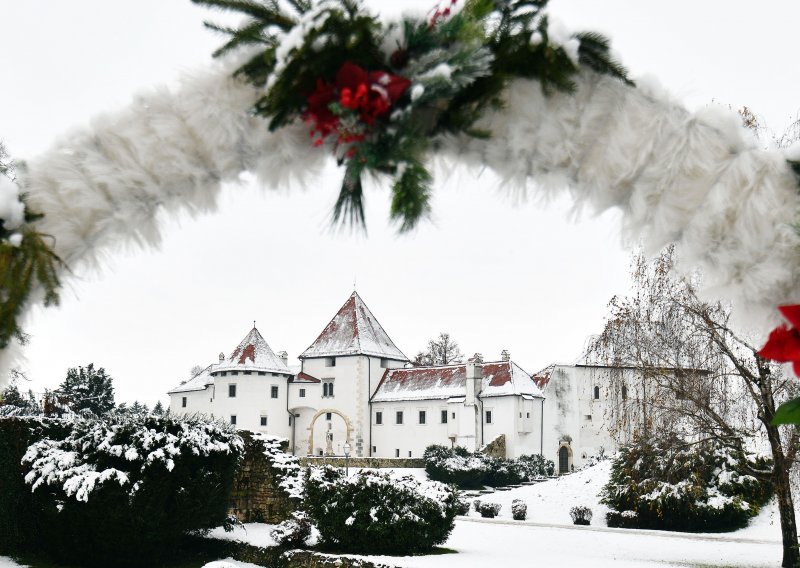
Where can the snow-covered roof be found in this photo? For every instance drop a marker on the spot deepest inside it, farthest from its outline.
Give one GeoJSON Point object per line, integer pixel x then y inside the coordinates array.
{"type": "Point", "coordinates": [425, 383]}
{"type": "Point", "coordinates": [302, 377]}
{"type": "Point", "coordinates": [354, 331]}
{"type": "Point", "coordinates": [199, 382]}
{"type": "Point", "coordinates": [253, 354]}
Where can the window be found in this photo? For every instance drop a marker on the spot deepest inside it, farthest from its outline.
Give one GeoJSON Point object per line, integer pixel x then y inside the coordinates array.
{"type": "Point", "coordinates": [224, 373]}
{"type": "Point", "coordinates": [290, 420]}
{"type": "Point", "coordinates": [261, 373]}
{"type": "Point", "coordinates": [597, 393]}
{"type": "Point", "coordinates": [232, 391]}
{"type": "Point", "coordinates": [444, 417]}
{"type": "Point", "coordinates": [454, 416]}
{"type": "Point", "coordinates": [588, 417]}
{"type": "Point", "coordinates": [422, 416]}
{"type": "Point", "coordinates": [302, 393]}
{"type": "Point", "coordinates": [248, 372]}
{"type": "Point", "coordinates": [330, 361]}
{"type": "Point", "coordinates": [328, 415]}
{"type": "Point", "coordinates": [234, 372]}
{"type": "Point", "coordinates": [397, 453]}
{"type": "Point", "coordinates": [520, 415]}
{"type": "Point", "coordinates": [374, 449]}
{"type": "Point", "coordinates": [233, 419]}
{"type": "Point", "coordinates": [398, 420]}
{"type": "Point", "coordinates": [409, 453]}
{"type": "Point", "coordinates": [384, 363]}
{"type": "Point", "coordinates": [327, 388]}
{"type": "Point", "coordinates": [379, 418]}
{"type": "Point", "coordinates": [183, 402]}
{"type": "Point", "coordinates": [488, 416]}
{"type": "Point", "coordinates": [527, 415]}
{"type": "Point", "coordinates": [624, 392]}
{"type": "Point", "coordinates": [263, 420]}
{"type": "Point", "coordinates": [274, 391]}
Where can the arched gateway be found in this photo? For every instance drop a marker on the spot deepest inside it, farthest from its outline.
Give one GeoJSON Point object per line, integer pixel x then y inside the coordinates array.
{"type": "Point", "coordinates": [319, 413]}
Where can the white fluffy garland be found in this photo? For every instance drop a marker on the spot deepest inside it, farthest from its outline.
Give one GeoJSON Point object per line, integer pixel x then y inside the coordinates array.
{"type": "Point", "coordinates": [679, 177]}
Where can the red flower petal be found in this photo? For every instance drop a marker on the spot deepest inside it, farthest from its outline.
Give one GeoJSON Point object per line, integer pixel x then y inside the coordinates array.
{"type": "Point", "coordinates": [792, 314]}
{"type": "Point", "coordinates": [351, 76]}
{"type": "Point", "coordinates": [782, 346]}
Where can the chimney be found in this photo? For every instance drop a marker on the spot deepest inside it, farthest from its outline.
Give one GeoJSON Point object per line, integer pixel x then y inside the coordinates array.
{"type": "Point", "coordinates": [474, 378]}
{"type": "Point", "coordinates": [505, 355]}
{"type": "Point", "coordinates": [221, 357]}
{"type": "Point", "coordinates": [284, 357]}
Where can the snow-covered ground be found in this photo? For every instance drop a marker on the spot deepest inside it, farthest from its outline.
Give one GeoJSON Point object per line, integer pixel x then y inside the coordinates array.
{"type": "Point", "coordinates": [256, 534]}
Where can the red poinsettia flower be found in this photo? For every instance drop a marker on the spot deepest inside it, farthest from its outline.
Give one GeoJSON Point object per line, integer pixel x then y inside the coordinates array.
{"type": "Point", "coordinates": [783, 344]}
{"type": "Point", "coordinates": [318, 111]}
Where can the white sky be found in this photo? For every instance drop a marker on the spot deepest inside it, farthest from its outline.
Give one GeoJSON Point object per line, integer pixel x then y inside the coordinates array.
{"type": "Point", "coordinates": [494, 272]}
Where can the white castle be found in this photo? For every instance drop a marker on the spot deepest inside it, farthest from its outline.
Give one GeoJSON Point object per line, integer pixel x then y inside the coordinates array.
{"type": "Point", "coordinates": [356, 390]}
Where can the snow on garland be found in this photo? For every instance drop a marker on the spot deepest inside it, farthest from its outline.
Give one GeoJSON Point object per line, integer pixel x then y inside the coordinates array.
{"type": "Point", "coordinates": [694, 179]}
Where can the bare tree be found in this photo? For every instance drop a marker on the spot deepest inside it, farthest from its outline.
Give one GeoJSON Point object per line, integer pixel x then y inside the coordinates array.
{"type": "Point", "coordinates": [442, 350]}
{"type": "Point", "coordinates": [695, 377]}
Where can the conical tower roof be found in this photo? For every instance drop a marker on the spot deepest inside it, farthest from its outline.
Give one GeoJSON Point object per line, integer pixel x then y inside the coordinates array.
{"type": "Point", "coordinates": [253, 354]}
{"type": "Point", "coordinates": [354, 331]}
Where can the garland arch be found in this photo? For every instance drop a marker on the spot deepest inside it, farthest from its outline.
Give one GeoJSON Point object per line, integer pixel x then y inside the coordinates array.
{"type": "Point", "coordinates": [491, 83]}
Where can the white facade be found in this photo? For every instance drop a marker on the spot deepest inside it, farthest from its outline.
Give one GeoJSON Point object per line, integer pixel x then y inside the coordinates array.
{"type": "Point", "coordinates": [352, 374]}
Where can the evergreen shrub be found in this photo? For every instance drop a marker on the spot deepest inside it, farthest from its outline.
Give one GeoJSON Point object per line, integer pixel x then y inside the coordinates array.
{"type": "Point", "coordinates": [124, 490]}
{"type": "Point", "coordinates": [519, 510]}
{"type": "Point", "coordinates": [378, 513]}
{"type": "Point", "coordinates": [466, 470]}
{"type": "Point", "coordinates": [623, 520]}
{"type": "Point", "coordinates": [489, 510]}
{"type": "Point", "coordinates": [581, 515]}
{"type": "Point", "coordinates": [293, 532]}
{"type": "Point", "coordinates": [677, 486]}
{"type": "Point", "coordinates": [462, 507]}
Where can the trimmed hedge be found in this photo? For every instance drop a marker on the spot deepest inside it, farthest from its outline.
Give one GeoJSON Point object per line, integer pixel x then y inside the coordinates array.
{"type": "Point", "coordinates": [117, 490]}
{"type": "Point", "coordinates": [466, 470]}
{"type": "Point", "coordinates": [378, 513]}
{"type": "Point", "coordinates": [682, 487]}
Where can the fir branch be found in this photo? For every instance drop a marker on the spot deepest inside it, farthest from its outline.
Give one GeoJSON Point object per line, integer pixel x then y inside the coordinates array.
{"type": "Point", "coordinates": [349, 207]}
{"type": "Point", "coordinates": [411, 195]}
{"type": "Point", "coordinates": [595, 53]}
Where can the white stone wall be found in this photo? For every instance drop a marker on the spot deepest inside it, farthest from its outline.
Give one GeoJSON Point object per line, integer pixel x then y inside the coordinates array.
{"type": "Point", "coordinates": [410, 438]}
{"type": "Point", "coordinates": [252, 401]}
{"type": "Point", "coordinates": [197, 402]}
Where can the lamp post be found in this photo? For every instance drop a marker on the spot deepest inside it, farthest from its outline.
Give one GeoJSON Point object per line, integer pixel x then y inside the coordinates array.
{"type": "Point", "coordinates": [346, 458]}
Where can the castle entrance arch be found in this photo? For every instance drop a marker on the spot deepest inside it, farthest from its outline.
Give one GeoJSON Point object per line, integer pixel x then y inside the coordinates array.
{"type": "Point", "coordinates": [329, 442]}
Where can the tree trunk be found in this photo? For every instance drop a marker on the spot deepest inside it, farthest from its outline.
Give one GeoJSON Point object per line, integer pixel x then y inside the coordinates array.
{"type": "Point", "coordinates": [783, 493]}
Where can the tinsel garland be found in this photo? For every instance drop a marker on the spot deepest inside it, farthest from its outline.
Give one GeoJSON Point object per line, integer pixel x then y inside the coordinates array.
{"type": "Point", "coordinates": [695, 179]}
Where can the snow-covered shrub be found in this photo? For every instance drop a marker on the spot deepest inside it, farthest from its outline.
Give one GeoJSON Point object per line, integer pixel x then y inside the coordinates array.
{"type": "Point", "coordinates": [535, 466]}
{"type": "Point", "coordinates": [471, 471]}
{"type": "Point", "coordinates": [462, 507]}
{"type": "Point", "coordinates": [378, 513]}
{"type": "Point", "coordinates": [581, 515]}
{"type": "Point", "coordinates": [489, 510]}
{"type": "Point", "coordinates": [477, 504]}
{"type": "Point", "coordinates": [519, 510]}
{"type": "Point", "coordinates": [623, 520]}
{"type": "Point", "coordinates": [683, 487]}
{"type": "Point", "coordinates": [293, 532]}
{"type": "Point", "coordinates": [125, 489]}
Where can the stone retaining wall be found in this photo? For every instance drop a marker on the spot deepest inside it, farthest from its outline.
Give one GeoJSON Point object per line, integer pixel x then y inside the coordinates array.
{"type": "Point", "coordinates": [308, 559]}
{"type": "Point", "coordinates": [377, 463]}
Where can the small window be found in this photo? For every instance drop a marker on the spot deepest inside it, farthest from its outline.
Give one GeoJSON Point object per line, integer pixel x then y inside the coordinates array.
{"type": "Point", "coordinates": [409, 453]}
{"type": "Point", "coordinates": [248, 372]}
{"type": "Point", "coordinates": [527, 415]}
{"type": "Point", "coordinates": [183, 402]}
{"type": "Point", "coordinates": [384, 363]}
{"type": "Point", "coordinates": [397, 453]}
{"type": "Point", "coordinates": [328, 415]}
{"type": "Point", "coordinates": [262, 373]}
{"type": "Point", "coordinates": [422, 416]}
{"type": "Point", "coordinates": [624, 392]}
{"type": "Point", "coordinates": [234, 372]}
{"type": "Point", "coordinates": [330, 389]}
{"type": "Point", "coordinates": [488, 416]}
{"type": "Point", "coordinates": [327, 389]}
{"type": "Point", "coordinates": [330, 361]}
{"type": "Point", "coordinates": [399, 420]}
{"type": "Point", "coordinates": [274, 391]}
{"type": "Point", "coordinates": [374, 449]}
{"type": "Point", "coordinates": [444, 417]}
{"type": "Point", "coordinates": [290, 420]}
{"type": "Point", "coordinates": [232, 391]}
{"type": "Point", "coordinates": [302, 393]}
{"type": "Point", "coordinates": [224, 373]}
{"type": "Point", "coordinates": [233, 419]}
{"type": "Point", "coordinates": [597, 393]}
{"type": "Point", "coordinates": [379, 418]}
{"type": "Point", "coordinates": [263, 420]}
{"type": "Point", "coordinates": [454, 416]}
{"type": "Point", "coordinates": [588, 417]}
{"type": "Point", "coordinates": [520, 415]}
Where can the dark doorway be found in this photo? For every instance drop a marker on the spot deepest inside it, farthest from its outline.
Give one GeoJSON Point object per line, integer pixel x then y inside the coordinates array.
{"type": "Point", "coordinates": [563, 460]}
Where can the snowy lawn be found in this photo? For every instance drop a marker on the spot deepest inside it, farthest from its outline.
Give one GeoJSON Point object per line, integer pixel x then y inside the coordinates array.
{"type": "Point", "coordinates": [256, 534]}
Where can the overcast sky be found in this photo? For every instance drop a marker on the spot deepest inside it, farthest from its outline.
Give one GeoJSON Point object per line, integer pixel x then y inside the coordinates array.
{"type": "Point", "coordinates": [495, 271]}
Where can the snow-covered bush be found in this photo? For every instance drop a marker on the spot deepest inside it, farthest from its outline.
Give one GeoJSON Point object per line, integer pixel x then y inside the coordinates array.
{"type": "Point", "coordinates": [678, 486]}
{"type": "Point", "coordinates": [462, 507]}
{"type": "Point", "coordinates": [470, 471]}
{"type": "Point", "coordinates": [378, 513]}
{"type": "Point", "coordinates": [581, 515]}
{"type": "Point", "coordinates": [489, 510]}
{"type": "Point", "coordinates": [623, 520]}
{"type": "Point", "coordinates": [126, 488]}
{"type": "Point", "coordinates": [477, 504]}
{"type": "Point", "coordinates": [293, 532]}
{"type": "Point", "coordinates": [519, 510]}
